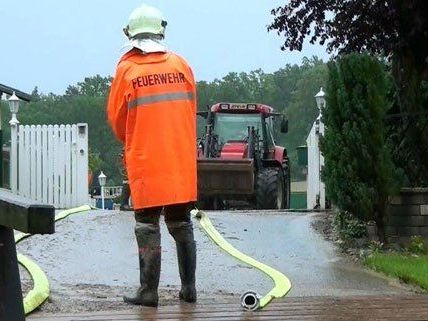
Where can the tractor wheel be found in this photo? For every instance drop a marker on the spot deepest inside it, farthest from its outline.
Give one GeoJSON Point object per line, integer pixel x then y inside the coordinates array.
{"type": "Point", "coordinates": [270, 189]}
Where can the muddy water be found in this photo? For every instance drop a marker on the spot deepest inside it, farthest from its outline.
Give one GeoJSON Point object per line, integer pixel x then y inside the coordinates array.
{"type": "Point", "coordinates": [92, 260]}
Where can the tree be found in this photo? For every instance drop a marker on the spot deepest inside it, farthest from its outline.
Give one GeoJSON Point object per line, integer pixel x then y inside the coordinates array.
{"type": "Point", "coordinates": [359, 174]}
{"type": "Point", "coordinates": [393, 28]}
{"type": "Point", "coordinates": [301, 111]}
{"type": "Point", "coordinates": [35, 95]}
{"type": "Point", "coordinates": [290, 90]}
{"type": "Point", "coordinates": [95, 86]}
{"type": "Point", "coordinates": [378, 26]}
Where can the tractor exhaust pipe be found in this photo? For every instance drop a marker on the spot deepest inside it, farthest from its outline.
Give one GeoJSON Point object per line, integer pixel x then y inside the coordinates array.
{"type": "Point", "coordinates": [250, 301]}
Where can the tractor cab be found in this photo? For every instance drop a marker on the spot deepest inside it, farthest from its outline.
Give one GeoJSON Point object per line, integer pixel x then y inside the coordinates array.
{"type": "Point", "coordinates": [230, 125]}
{"type": "Point", "coordinates": [237, 147]}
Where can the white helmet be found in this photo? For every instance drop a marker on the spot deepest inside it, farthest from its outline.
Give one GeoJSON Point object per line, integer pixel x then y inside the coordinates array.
{"type": "Point", "coordinates": [145, 20]}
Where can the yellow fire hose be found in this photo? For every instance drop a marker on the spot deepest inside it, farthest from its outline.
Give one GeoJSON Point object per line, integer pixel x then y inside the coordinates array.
{"type": "Point", "coordinates": [40, 291]}
{"type": "Point", "coordinates": [249, 300]}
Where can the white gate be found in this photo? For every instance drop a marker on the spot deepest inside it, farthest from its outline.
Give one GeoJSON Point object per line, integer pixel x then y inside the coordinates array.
{"type": "Point", "coordinates": [51, 164]}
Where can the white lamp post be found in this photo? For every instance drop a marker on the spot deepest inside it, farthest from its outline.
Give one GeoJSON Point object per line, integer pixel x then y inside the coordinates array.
{"type": "Point", "coordinates": [14, 107]}
{"type": "Point", "coordinates": [102, 178]}
{"type": "Point", "coordinates": [320, 99]}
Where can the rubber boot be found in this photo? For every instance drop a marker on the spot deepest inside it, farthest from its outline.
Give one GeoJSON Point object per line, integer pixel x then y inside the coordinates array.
{"type": "Point", "coordinates": [148, 239]}
{"type": "Point", "coordinates": [182, 232]}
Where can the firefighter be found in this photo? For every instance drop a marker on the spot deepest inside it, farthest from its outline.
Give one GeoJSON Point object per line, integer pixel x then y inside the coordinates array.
{"type": "Point", "coordinates": [152, 110]}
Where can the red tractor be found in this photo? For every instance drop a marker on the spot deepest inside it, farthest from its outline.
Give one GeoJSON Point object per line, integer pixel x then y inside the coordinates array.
{"type": "Point", "coordinates": [239, 160]}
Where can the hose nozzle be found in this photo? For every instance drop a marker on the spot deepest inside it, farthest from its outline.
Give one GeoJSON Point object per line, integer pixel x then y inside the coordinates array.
{"type": "Point", "coordinates": [250, 301]}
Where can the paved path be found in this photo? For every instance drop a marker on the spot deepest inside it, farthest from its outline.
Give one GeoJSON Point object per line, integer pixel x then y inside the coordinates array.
{"type": "Point", "coordinates": [92, 261]}
{"type": "Point", "coordinates": [309, 308]}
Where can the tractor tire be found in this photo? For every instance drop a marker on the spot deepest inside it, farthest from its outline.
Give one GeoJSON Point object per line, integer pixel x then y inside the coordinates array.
{"type": "Point", "coordinates": [270, 189]}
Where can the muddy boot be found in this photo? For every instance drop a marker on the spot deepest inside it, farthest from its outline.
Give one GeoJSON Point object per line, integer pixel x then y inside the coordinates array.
{"type": "Point", "coordinates": [148, 239]}
{"type": "Point", "coordinates": [182, 232]}
{"type": "Point", "coordinates": [186, 253]}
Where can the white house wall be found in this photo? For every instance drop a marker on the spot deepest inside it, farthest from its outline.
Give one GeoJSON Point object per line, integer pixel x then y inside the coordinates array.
{"type": "Point", "coordinates": [315, 163]}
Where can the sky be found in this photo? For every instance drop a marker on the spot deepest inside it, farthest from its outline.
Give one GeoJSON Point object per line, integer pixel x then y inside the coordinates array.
{"type": "Point", "coordinates": [54, 43]}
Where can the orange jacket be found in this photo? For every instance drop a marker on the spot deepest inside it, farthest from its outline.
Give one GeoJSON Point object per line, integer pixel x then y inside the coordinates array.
{"type": "Point", "coordinates": [152, 110]}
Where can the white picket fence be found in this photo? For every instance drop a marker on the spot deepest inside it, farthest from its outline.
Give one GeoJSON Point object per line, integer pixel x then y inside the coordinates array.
{"type": "Point", "coordinates": [52, 164]}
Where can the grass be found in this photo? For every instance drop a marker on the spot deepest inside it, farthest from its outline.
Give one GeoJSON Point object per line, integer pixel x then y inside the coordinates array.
{"type": "Point", "coordinates": [407, 268]}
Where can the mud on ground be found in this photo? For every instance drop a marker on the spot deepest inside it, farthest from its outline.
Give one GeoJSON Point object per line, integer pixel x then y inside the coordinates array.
{"type": "Point", "coordinates": [91, 261]}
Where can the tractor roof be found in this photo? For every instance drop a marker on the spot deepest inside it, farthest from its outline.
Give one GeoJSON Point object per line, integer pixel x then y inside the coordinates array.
{"type": "Point", "coordinates": [244, 108]}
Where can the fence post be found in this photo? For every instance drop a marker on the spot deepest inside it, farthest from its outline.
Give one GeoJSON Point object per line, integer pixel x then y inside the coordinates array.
{"type": "Point", "coordinates": [82, 163]}
{"type": "Point", "coordinates": [14, 154]}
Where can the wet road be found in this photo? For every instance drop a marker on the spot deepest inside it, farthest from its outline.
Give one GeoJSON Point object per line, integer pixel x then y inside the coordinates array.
{"type": "Point", "coordinates": [92, 258]}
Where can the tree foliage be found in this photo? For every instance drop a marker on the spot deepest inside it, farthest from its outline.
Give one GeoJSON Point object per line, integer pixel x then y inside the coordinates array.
{"type": "Point", "coordinates": [290, 90]}
{"type": "Point", "coordinates": [377, 26]}
{"type": "Point", "coordinates": [359, 174]}
{"type": "Point", "coordinates": [96, 86]}
{"type": "Point", "coordinates": [396, 29]}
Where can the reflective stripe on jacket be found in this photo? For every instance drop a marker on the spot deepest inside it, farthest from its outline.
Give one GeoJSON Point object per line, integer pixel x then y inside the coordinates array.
{"type": "Point", "coordinates": [152, 110]}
